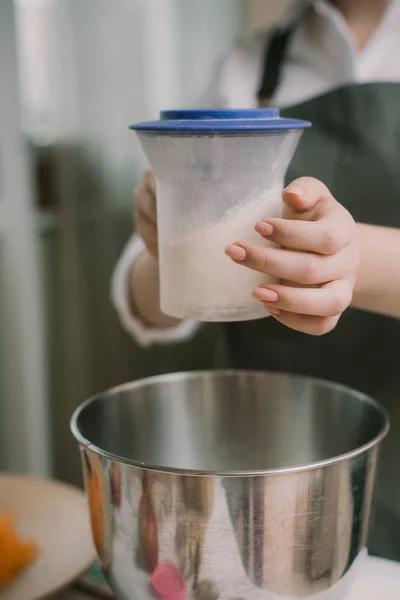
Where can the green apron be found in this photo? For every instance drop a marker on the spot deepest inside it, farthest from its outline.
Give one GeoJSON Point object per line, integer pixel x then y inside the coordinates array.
{"type": "Point", "coordinates": [354, 148]}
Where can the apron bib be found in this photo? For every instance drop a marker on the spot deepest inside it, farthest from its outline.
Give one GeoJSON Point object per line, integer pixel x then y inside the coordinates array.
{"type": "Point", "coordinates": [354, 148]}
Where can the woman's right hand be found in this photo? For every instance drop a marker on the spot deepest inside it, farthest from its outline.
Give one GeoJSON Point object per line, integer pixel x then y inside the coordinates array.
{"type": "Point", "coordinates": [145, 212]}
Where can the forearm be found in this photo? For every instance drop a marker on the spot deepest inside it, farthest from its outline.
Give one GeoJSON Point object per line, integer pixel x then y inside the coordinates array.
{"type": "Point", "coordinates": [378, 284]}
{"type": "Point", "coordinates": [145, 292]}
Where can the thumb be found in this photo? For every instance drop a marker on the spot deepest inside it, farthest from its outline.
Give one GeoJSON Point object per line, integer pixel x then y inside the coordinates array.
{"type": "Point", "coordinates": [304, 193]}
{"type": "Point", "coordinates": [150, 181]}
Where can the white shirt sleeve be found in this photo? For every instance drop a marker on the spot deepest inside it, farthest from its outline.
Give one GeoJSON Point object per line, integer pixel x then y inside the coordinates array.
{"type": "Point", "coordinates": [144, 335]}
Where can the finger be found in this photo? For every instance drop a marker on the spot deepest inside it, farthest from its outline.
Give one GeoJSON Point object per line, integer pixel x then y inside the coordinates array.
{"type": "Point", "coordinates": [148, 233]}
{"type": "Point", "coordinates": [145, 204]}
{"type": "Point", "coordinates": [329, 300]}
{"type": "Point", "coordinates": [150, 181]}
{"type": "Point", "coordinates": [304, 268]}
{"type": "Point", "coordinates": [145, 214]}
{"type": "Point", "coordinates": [304, 193]}
{"type": "Point", "coordinates": [306, 324]}
{"type": "Point", "coordinates": [325, 236]}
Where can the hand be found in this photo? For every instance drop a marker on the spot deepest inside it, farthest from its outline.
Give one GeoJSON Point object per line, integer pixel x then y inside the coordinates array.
{"type": "Point", "coordinates": [144, 285]}
{"type": "Point", "coordinates": [318, 252]}
{"type": "Point", "coordinates": [145, 212]}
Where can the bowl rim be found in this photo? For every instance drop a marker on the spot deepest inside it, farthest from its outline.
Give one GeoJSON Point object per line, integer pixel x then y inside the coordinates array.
{"type": "Point", "coordinates": [85, 443]}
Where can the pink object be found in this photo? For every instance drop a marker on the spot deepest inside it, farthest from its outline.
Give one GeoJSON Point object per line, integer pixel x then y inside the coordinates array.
{"type": "Point", "coordinates": [168, 582]}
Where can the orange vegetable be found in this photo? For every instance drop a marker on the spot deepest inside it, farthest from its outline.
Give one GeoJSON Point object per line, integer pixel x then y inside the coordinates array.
{"type": "Point", "coordinates": [15, 554]}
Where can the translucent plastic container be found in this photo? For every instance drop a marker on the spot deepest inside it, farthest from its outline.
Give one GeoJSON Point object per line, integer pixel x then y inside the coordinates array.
{"type": "Point", "coordinates": [217, 174]}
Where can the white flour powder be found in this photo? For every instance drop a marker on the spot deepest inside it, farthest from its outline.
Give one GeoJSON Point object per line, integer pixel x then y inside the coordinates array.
{"type": "Point", "coordinates": [198, 281]}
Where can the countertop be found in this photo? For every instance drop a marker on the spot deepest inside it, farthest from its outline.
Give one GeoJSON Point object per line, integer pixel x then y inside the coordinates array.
{"type": "Point", "coordinates": [73, 594]}
{"type": "Point", "coordinates": [378, 579]}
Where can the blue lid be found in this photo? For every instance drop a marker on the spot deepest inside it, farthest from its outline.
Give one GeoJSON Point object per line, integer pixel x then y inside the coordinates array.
{"type": "Point", "coordinates": [220, 121]}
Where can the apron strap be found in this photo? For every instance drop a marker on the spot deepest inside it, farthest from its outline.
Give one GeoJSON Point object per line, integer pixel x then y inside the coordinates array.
{"type": "Point", "coordinates": [274, 57]}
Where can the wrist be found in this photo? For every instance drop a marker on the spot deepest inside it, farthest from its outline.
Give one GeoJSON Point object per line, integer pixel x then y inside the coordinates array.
{"type": "Point", "coordinates": [145, 292]}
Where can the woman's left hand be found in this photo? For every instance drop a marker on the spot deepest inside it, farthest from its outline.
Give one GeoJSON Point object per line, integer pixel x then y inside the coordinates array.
{"type": "Point", "coordinates": [318, 252]}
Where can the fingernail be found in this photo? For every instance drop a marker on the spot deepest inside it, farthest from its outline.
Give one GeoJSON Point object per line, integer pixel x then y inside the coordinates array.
{"type": "Point", "coordinates": [265, 295]}
{"type": "Point", "coordinates": [297, 190]}
{"type": "Point", "coordinates": [274, 311]}
{"type": "Point", "coordinates": [236, 252]}
{"type": "Point", "coordinates": [264, 228]}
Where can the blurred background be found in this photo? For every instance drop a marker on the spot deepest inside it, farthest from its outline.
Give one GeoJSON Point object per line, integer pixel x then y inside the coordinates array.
{"type": "Point", "coordinates": [73, 75]}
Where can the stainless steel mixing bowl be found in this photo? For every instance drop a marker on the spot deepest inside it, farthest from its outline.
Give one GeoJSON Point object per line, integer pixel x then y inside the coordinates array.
{"type": "Point", "coordinates": [241, 484]}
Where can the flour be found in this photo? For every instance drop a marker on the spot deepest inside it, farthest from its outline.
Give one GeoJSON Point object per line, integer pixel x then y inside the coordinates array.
{"type": "Point", "coordinates": [199, 282]}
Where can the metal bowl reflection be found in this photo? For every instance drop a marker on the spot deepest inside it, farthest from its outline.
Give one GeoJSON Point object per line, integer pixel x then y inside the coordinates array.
{"type": "Point", "coordinates": [252, 485]}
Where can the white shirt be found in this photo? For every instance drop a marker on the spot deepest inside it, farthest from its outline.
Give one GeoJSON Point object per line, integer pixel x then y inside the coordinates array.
{"type": "Point", "coordinates": [321, 56]}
